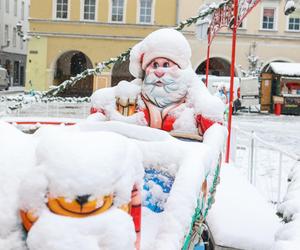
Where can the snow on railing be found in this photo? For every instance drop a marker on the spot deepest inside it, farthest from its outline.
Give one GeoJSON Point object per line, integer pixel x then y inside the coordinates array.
{"type": "Point", "coordinates": [266, 164]}
{"type": "Point", "coordinates": [54, 108]}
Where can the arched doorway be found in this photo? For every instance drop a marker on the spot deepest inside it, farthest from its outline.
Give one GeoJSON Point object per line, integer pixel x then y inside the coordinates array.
{"type": "Point", "coordinates": [217, 66]}
{"type": "Point", "coordinates": [70, 64]}
{"type": "Point", "coordinates": [121, 72]}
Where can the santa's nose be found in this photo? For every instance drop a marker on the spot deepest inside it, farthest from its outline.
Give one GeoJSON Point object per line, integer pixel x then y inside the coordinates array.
{"type": "Point", "coordinates": [159, 73]}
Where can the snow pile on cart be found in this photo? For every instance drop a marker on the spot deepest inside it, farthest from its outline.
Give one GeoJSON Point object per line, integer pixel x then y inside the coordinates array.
{"type": "Point", "coordinates": [97, 168]}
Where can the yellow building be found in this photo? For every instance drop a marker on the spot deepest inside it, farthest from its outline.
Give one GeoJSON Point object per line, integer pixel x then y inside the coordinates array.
{"type": "Point", "coordinates": [69, 36]}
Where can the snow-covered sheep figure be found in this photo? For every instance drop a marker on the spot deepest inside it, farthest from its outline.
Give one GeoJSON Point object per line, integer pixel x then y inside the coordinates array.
{"type": "Point", "coordinates": [166, 94]}
{"type": "Point", "coordinates": [76, 196]}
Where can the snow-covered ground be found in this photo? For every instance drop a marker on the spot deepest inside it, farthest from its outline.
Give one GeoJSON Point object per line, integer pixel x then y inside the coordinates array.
{"type": "Point", "coordinates": [281, 130]}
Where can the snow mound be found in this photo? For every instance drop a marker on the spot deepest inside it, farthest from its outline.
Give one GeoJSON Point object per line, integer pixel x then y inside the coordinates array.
{"type": "Point", "coordinates": [288, 235]}
{"type": "Point", "coordinates": [114, 230]}
{"type": "Point", "coordinates": [240, 217]}
{"type": "Point", "coordinates": [16, 159]}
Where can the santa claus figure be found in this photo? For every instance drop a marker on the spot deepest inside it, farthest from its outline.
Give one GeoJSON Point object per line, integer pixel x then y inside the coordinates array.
{"type": "Point", "coordinates": [166, 93]}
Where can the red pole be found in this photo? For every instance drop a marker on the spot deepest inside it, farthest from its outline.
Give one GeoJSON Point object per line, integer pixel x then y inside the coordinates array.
{"type": "Point", "coordinates": [232, 67]}
{"type": "Point", "coordinates": [207, 59]}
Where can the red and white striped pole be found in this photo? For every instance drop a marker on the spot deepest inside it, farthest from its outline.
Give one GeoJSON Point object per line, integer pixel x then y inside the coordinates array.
{"type": "Point", "coordinates": [232, 67]}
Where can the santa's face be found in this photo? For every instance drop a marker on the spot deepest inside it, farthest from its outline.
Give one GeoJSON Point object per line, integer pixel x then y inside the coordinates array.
{"type": "Point", "coordinates": [163, 82]}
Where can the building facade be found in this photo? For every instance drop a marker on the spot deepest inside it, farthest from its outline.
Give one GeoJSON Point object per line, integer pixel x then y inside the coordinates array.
{"type": "Point", "coordinates": [69, 36]}
{"type": "Point", "coordinates": [13, 48]}
{"type": "Point", "coordinates": [266, 35]}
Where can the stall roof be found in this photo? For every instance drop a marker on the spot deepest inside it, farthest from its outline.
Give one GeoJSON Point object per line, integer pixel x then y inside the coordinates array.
{"type": "Point", "coordinates": [286, 69]}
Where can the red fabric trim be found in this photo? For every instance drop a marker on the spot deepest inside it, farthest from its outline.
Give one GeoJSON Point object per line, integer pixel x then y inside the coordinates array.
{"type": "Point", "coordinates": [167, 123]}
{"type": "Point", "coordinates": [146, 115]}
{"type": "Point", "coordinates": [95, 110]}
{"type": "Point", "coordinates": [136, 213]}
{"type": "Point", "coordinates": [203, 123]}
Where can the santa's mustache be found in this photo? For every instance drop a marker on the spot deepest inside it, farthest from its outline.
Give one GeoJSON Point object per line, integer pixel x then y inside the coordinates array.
{"type": "Point", "coordinates": [166, 82]}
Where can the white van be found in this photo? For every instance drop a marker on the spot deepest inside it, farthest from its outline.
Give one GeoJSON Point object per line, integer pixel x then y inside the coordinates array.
{"type": "Point", "coordinates": [4, 79]}
{"type": "Point", "coordinates": [245, 90]}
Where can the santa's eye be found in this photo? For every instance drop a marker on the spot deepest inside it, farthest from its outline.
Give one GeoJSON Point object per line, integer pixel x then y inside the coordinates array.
{"type": "Point", "coordinates": [166, 65]}
{"type": "Point", "coordinates": [155, 65]}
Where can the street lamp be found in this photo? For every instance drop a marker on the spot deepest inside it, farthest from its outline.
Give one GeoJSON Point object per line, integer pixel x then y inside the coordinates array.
{"type": "Point", "coordinates": [289, 7]}
{"type": "Point", "coordinates": [20, 32]}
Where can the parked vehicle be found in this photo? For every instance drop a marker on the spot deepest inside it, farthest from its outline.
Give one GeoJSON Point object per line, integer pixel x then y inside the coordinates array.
{"type": "Point", "coordinates": [4, 79]}
{"type": "Point", "coordinates": [245, 90]}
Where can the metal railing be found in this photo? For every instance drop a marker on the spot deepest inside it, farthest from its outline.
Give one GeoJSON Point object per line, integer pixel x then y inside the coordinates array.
{"type": "Point", "coordinates": [49, 109]}
{"type": "Point", "coordinates": [266, 164]}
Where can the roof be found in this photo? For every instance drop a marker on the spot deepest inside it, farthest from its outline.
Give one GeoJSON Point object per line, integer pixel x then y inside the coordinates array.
{"type": "Point", "coordinates": [286, 69]}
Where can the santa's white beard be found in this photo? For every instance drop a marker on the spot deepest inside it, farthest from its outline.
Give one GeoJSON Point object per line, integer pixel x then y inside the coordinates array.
{"type": "Point", "coordinates": [173, 88]}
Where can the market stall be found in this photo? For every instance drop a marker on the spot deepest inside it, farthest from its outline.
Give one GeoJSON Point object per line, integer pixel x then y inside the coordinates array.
{"type": "Point", "coordinates": [282, 87]}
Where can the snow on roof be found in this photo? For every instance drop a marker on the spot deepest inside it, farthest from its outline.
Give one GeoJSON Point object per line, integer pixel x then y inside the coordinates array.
{"type": "Point", "coordinates": [287, 69]}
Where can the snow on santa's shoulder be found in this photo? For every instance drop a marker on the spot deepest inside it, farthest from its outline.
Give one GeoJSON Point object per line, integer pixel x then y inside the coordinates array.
{"type": "Point", "coordinates": [104, 98]}
{"type": "Point", "coordinates": [201, 99]}
{"type": "Point", "coordinates": [111, 230]}
{"type": "Point", "coordinates": [16, 159]}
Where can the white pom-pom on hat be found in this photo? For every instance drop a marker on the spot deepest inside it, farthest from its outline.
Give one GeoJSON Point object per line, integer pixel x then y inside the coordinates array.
{"type": "Point", "coordinates": [168, 43]}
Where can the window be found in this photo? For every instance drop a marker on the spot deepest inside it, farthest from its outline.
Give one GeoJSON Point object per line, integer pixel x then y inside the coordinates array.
{"type": "Point", "coordinates": [145, 11]}
{"type": "Point", "coordinates": [7, 6]}
{"type": "Point", "coordinates": [16, 7]}
{"type": "Point", "coordinates": [6, 36]}
{"type": "Point", "coordinates": [22, 10]}
{"type": "Point", "coordinates": [62, 9]}
{"type": "Point", "coordinates": [294, 21]}
{"type": "Point", "coordinates": [117, 10]}
{"type": "Point", "coordinates": [14, 37]}
{"type": "Point", "coordinates": [16, 71]}
{"type": "Point", "coordinates": [89, 9]}
{"type": "Point", "coordinates": [21, 43]}
{"type": "Point", "coordinates": [268, 18]}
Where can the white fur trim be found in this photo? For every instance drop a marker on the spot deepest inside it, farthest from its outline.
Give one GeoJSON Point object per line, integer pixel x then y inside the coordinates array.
{"type": "Point", "coordinates": [168, 43]}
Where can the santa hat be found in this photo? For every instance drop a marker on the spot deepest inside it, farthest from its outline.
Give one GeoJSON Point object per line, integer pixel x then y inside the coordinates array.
{"type": "Point", "coordinates": [168, 43]}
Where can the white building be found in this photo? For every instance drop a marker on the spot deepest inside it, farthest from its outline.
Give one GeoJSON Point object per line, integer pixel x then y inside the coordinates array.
{"type": "Point", "coordinates": [13, 48]}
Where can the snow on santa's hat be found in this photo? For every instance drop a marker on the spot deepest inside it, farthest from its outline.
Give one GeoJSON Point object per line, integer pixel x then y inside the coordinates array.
{"type": "Point", "coordinates": [168, 43]}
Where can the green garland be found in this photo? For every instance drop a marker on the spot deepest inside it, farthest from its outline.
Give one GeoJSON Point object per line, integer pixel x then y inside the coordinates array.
{"type": "Point", "coordinates": [200, 216]}
{"type": "Point", "coordinates": [38, 97]}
